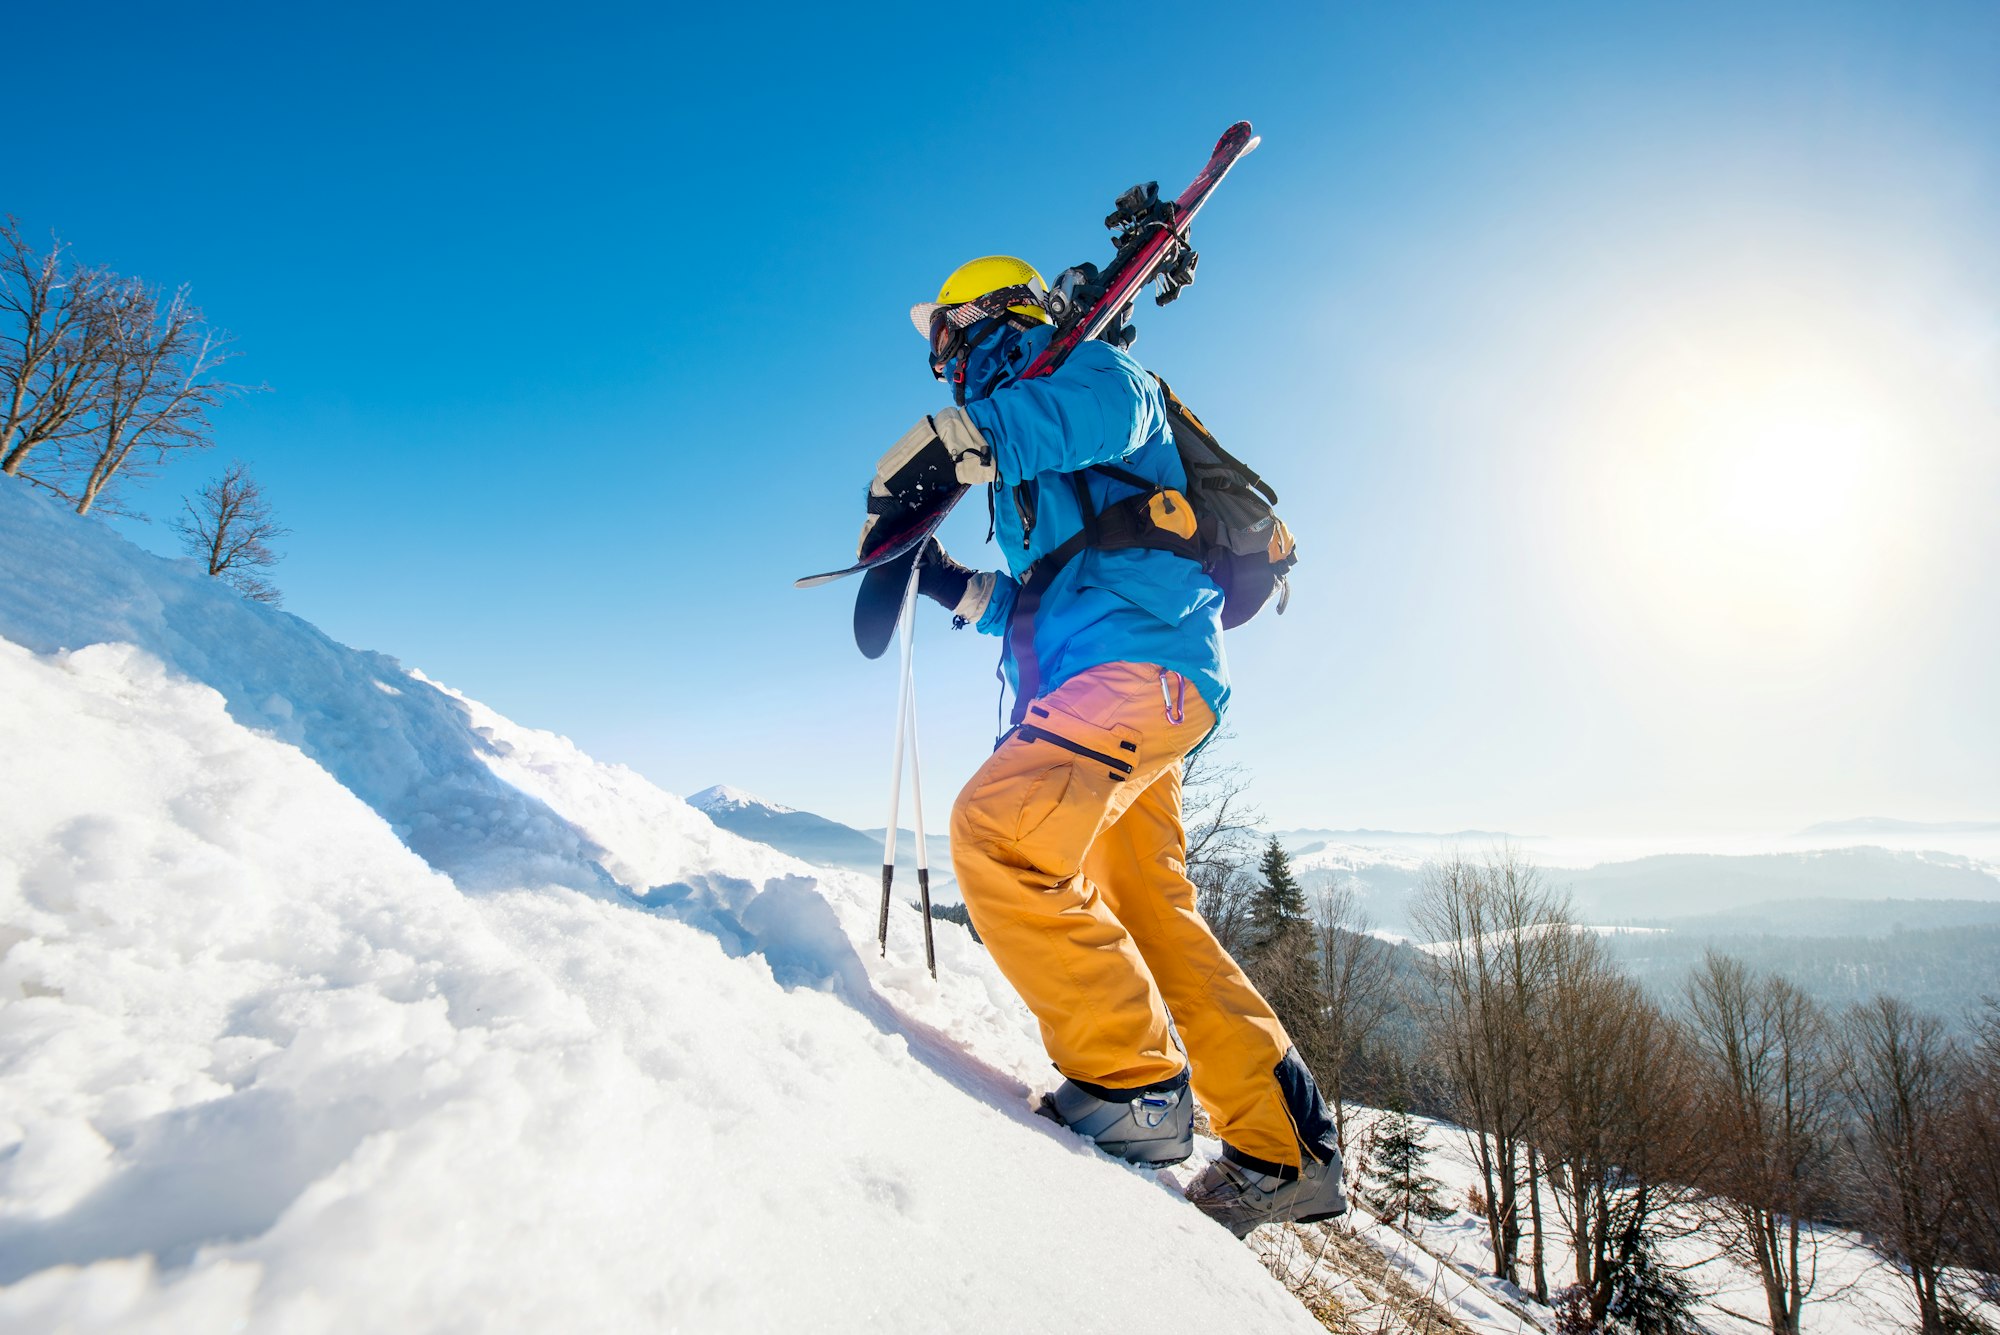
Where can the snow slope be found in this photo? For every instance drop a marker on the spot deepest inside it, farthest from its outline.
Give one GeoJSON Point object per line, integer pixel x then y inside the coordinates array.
{"type": "Point", "coordinates": [331, 1000]}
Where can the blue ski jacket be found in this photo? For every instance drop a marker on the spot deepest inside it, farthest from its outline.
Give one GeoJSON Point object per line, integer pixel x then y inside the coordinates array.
{"type": "Point", "coordinates": [1133, 605]}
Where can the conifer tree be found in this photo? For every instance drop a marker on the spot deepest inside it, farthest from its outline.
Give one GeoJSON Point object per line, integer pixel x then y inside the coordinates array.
{"type": "Point", "coordinates": [1648, 1298]}
{"type": "Point", "coordinates": [1397, 1185]}
{"type": "Point", "coordinates": [1284, 963]}
{"type": "Point", "coordinates": [1280, 908]}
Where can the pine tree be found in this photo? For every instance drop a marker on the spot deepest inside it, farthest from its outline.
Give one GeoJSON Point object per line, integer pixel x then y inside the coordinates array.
{"type": "Point", "coordinates": [1397, 1185]}
{"type": "Point", "coordinates": [1649, 1299]}
{"type": "Point", "coordinates": [1280, 907]}
{"type": "Point", "coordinates": [1646, 1298]}
{"type": "Point", "coordinates": [1283, 959]}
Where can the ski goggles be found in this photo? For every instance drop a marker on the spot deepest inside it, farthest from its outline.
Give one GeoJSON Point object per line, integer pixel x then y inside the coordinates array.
{"type": "Point", "coordinates": [947, 324]}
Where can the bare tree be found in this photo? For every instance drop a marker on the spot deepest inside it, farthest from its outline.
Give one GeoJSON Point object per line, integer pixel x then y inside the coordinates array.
{"type": "Point", "coordinates": [1225, 891]}
{"type": "Point", "coordinates": [1770, 1095]}
{"type": "Point", "coordinates": [1900, 1074]}
{"type": "Point", "coordinates": [1221, 832]}
{"type": "Point", "coordinates": [1495, 932]}
{"type": "Point", "coordinates": [52, 345]}
{"type": "Point", "coordinates": [1355, 991]}
{"type": "Point", "coordinates": [1979, 1151]}
{"type": "Point", "coordinates": [161, 378]}
{"type": "Point", "coordinates": [229, 525]}
{"type": "Point", "coordinates": [1616, 1122]}
{"type": "Point", "coordinates": [1218, 814]}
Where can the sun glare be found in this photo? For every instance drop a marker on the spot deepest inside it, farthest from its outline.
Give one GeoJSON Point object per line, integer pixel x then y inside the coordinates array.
{"type": "Point", "coordinates": [1790, 472]}
{"type": "Point", "coordinates": [1749, 499]}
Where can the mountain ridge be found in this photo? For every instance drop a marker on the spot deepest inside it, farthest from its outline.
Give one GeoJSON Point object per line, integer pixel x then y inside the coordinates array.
{"type": "Point", "coordinates": [1889, 825]}
{"type": "Point", "coordinates": [822, 841]}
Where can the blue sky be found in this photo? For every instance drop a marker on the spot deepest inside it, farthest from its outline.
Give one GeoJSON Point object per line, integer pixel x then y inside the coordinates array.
{"type": "Point", "coordinates": [1631, 373]}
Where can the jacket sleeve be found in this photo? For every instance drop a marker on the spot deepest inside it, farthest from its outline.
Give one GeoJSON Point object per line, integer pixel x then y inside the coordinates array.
{"type": "Point", "coordinates": [1096, 408]}
{"type": "Point", "coordinates": [1000, 605]}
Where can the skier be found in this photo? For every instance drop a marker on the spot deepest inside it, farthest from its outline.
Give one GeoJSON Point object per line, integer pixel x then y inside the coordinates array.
{"type": "Point", "coordinates": [1068, 841]}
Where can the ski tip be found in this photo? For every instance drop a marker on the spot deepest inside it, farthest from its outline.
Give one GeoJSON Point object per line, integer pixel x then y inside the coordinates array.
{"type": "Point", "coordinates": [1239, 134]}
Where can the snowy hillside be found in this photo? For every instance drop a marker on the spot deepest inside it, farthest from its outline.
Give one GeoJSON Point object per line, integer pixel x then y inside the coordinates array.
{"type": "Point", "coordinates": [1856, 1293]}
{"type": "Point", "coordinates": [333, 1001]}
{"type": "Point", "coordinates": [1383, 880]}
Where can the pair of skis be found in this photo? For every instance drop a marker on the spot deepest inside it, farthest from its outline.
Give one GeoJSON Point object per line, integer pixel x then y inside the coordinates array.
{"type": "Point", "coordinates": [1152, 244]}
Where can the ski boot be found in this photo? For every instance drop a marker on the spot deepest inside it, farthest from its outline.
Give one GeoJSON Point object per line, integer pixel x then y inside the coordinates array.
{"type": "Point", "coordinates": [1151, 1127]}
{"type": "Point", "coordinates": [1240, 1198]}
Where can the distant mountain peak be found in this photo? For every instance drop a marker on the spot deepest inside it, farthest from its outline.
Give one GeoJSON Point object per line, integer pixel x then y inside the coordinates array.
{"type": "Point", "coordinates": [722, 797]}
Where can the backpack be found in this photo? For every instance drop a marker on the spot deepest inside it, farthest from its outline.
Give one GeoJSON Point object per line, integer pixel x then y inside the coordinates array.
{"type": "Point", "coordinates": [1244, 547]}
{"type": "Point", "coordinates": [1224, 521]}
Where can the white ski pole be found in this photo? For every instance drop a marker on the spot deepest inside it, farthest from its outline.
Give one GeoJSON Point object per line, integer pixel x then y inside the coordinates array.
{"type": "Point", "coordinates": [917, 801]}
{"type": "Point", "coordinates": [904, 621]}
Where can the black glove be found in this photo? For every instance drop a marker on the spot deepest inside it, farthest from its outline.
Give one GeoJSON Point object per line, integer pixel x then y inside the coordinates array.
{"type": "Point", "coordinates": [964, 592]}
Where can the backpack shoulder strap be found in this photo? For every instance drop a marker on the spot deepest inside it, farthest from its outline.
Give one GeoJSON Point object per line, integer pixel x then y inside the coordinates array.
{"type": "Point", "coordinates": [1125, 475]}
{"type": "Point", "coordinates": [1208, 441]}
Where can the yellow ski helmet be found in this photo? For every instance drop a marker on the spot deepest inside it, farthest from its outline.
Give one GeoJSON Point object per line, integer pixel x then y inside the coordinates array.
{"type": "Point", "coordinates": [975, 278]}
{"type": "Point", "coordinates": [974, 292]}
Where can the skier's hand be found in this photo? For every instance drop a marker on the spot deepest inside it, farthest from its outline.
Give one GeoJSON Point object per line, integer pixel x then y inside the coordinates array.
{"type": "Point", "coordinates": [938, 453]}
{"type": "Point", "coordinates": [964, 592]}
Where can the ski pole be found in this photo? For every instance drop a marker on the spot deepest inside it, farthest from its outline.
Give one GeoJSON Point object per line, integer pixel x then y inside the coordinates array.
{"type": "Point", "coordinates": [895, 796]}
{"type": "Point", "coordinates": [904, 622]}
{"type": "Point", "coordinates": [917, 801]}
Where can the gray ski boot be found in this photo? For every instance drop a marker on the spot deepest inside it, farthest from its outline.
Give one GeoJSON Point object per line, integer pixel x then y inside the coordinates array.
{"type": "Point", "coordinates": [1239, 1198]}
{"type": "Point", "coordinates": [1151, 1127]}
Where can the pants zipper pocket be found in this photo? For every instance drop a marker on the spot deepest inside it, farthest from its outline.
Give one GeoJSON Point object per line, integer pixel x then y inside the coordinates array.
{"type": "Point", "coordinates": [1120, 769]}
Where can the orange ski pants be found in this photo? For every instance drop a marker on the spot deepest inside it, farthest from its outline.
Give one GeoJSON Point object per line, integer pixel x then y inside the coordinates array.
{"type": "Point", "coordinates": [1070, 851]}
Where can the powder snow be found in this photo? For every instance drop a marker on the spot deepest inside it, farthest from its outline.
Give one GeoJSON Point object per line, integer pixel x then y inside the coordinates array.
{"type": "Point", "coordinates": [331, 1000]}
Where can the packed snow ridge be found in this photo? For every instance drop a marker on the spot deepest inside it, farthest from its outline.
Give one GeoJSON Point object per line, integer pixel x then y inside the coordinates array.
{"type": "Point", "coordinates": [332, 1000]}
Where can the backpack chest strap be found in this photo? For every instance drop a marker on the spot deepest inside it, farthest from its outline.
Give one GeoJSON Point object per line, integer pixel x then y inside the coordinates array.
{"type": "Point", "coordinates": [1157, 519]}
{"type": "Point", "coordinates": [1134, 522]}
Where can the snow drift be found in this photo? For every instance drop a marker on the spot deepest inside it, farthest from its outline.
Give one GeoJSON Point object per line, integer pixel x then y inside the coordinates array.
{"type": "Point", "coordinates": [331, 1000]}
